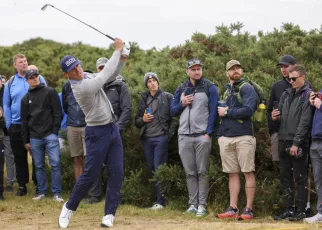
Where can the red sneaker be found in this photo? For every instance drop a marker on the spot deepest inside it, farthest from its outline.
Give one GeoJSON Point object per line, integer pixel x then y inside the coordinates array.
{"type": "Point", "coordinates": [247, 214]}
{"type": "Point", "coordinates": [229, 213]}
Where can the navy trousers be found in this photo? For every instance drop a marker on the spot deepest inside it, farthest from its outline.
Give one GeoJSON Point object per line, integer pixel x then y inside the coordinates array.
{"type": "Point", "coordinates": [156, 153]}
{"type": "Point", "coordinates": [103, 144]}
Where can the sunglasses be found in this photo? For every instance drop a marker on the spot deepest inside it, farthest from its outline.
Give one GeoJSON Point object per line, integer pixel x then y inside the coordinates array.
{"type": "Point", "coordinates": [293, 78]}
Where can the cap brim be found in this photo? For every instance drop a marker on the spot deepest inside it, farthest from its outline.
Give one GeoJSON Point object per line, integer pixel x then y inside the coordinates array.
{"type": "Point", "coordinates": [31, 76]}
{"type": "Point", "coordinates": [194, 65]}
{"type": "Point", "coordinates": [233, 66]}
{"type": "Point", "coordinates": [283, 63]}
{"type": "Point", "coordinates": [72, 66]}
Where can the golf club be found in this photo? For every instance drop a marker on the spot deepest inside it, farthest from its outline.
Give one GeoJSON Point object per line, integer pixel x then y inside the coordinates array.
{"type": "Point", "coordinates": [45, 6]}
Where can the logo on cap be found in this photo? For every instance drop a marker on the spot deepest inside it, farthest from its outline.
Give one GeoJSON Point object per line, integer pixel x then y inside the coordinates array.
{"type": "Point", "coordinates": [70, 61]}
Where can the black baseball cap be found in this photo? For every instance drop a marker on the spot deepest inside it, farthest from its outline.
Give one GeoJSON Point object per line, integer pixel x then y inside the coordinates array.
{"type": "Point", "coordinates": [31, 73]}
{"type": "Point", "coordinates": [287, 60]}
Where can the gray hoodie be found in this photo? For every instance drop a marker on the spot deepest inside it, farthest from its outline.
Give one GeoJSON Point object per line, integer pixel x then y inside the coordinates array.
{"type": "Point", "coordinates": [90, 95]}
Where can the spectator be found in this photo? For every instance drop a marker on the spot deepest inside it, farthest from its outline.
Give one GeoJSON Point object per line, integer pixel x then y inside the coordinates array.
{"type": "Point", "coordinates": [195, 101]}
{"type": "Point", "coordinates": [118, 94]}
{"type": "Point", "coordinates": [294, 117]}
{"type": "Point", "coordinates": [41, 115]}
{"type": "Point", "coordinates": [75, 129]}
{"type": "Point", "coordinates": [157, 127]}
{"type": "Point", "coordinates": [14, 91]}
{"type": "Point", "coordinates": [236, 140]}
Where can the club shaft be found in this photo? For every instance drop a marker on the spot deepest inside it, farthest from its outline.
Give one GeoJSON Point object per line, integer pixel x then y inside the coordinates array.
{"type": "Point", "coordinates": [83, 22]}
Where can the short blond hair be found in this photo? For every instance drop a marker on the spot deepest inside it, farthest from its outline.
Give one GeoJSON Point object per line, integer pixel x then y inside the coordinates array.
{"type": "Point", "coordinates": [18, 56]}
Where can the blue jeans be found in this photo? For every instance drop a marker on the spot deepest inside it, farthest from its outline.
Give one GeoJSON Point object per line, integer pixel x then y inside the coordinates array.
{"type": "Point", "coordinates": [38, 148]}
{"type": "Point", "coordinates": [103, 145]}
{"type": "Point", "coordinates": [156, 153]}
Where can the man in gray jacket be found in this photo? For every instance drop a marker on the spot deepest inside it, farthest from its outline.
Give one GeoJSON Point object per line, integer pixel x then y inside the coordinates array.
{"type": "Point", "coordinates": [195, 101]}
{"type": "Point", "coordinates": [103, 140]}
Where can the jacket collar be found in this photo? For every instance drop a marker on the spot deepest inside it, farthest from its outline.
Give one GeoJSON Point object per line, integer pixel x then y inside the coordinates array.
{"type": "Point", "coordinates": [40, 86]}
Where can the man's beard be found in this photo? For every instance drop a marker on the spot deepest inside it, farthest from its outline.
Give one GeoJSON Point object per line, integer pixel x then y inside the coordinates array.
{"type": "Point", "coordinates": [235, 77]}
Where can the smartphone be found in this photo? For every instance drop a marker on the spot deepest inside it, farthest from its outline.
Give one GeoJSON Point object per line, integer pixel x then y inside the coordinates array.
{"type": "Point", "coordinates": [148, 111]}
{"type": "Point", "coordinates": [275, 105]}
{"type": "Point", "coordinates": [187, 91]}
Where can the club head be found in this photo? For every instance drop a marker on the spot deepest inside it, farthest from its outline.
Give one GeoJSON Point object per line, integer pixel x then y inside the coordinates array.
{"type": "Point", "coordinates": [44, 7]}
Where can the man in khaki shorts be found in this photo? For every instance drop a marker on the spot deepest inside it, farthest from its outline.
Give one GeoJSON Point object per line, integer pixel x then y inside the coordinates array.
{"type": "Point", "coordinates": [75, 129]}
{"type": "Point", "coordinates": [236, 142]}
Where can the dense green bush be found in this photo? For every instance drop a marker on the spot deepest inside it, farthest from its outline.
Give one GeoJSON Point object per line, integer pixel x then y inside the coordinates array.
{"type": "Point", "coordinates": [258, 56]}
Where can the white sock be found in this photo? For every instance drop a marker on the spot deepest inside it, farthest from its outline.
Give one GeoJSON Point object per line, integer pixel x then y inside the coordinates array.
{"type": "Point", "coordinates": [308, 205]}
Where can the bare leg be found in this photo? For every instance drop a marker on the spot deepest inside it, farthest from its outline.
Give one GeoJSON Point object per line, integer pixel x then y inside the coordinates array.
{"type": "Point", "coordinates": [234, 188]}
{"type": "Point", "coordinates": [250, 188]}
{"type": "Point", "coordinates": [78, 166]}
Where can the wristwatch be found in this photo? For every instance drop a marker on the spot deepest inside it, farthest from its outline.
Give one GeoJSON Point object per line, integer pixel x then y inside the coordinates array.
{"type": "Point", "coordinates": [225, 113]}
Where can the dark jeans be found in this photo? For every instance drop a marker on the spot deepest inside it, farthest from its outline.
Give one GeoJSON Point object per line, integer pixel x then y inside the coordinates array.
{"type": "Point", "coordinates": [1, 165]}
{"type": "Point", "coordinates": [20, 154]}
{"type": "Point", "coordinates": [103, 144]}
{"type": "Point", "coordinates": [293, 169]}
{"type": "Point", "coordinates": [156, 153]}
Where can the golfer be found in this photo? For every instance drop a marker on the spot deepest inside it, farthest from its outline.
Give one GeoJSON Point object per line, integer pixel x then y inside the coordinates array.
{"type": "Point", "coordinates": [102, 136]}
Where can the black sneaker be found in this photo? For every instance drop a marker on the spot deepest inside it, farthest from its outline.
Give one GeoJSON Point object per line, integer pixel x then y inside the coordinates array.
{"type": "Point", "coordinates": [298, 217]}
{"type": "Point", "coordinates": [22, 191]}
{"type": "Point", "coordinates": [9, 188]}
{"type": "Point", "coordinates": [285, 215]}
{"type": "Point", "coordinates": [309, 212]}
{"type": "Point", "coordinates": [1, 196]}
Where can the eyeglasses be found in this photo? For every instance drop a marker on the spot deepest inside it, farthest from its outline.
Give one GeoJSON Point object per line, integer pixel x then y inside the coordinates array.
{"type": "Point", "coordinates": [192, 62]}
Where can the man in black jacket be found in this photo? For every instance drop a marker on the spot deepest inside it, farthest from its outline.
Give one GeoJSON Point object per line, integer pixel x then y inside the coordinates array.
{"type": "Point", "coordinates": [157, 127]}
{"type": "Point", "coordinates": [285, 64]}
{"type": "Point", "coordinates": [118, 94]}
{"type": "Point", "coordinates": [41, 115]}
{"type": "Point", "coordinates": [294, 117]}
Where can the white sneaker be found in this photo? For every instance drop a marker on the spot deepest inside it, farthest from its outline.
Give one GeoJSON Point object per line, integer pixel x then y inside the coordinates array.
{"type": "Point", "coordinates": [157, 206]}
{"type": "Point", "coordinates": [191, 209]}
{"type": "Point", "coordinates": [64, 217]}
{"type": "Point", "coordinates": [39, 197]}
{"type": "Point", "coordinates": [201, 210]}
{"type": "Point", "coordinates": [314, 219]}
{"type": "Point", "coordinates": [107, 221]}
{"type": "Point", "coordinates": [58, 198]}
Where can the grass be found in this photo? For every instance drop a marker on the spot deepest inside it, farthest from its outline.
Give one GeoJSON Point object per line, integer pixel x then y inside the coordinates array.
{"type": "Point", "coordinates": [24, 213]}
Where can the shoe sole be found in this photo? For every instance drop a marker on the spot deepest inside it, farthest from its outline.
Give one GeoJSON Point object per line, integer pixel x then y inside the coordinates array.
{"type": "Point", "coordinates": [242, 217]}
{"type": "Point", "coordinates": [228, 217]}
{"type": "Point", "coordinates": [105, 226]}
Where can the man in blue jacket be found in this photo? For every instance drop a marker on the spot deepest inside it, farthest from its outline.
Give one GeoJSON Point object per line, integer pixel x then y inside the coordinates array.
{"type": "Point", "coordinates": [236, 141]}
{"type": "Point", "coordinates": [16, 88]}
{"type": "Point", "coordinates": [316, 154]}
{"type": "Point", "coordinates": [195, 101]}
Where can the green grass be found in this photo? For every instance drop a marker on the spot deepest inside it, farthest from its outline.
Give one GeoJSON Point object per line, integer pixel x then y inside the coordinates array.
{"type": "Point", "coordinates": [25, 213]}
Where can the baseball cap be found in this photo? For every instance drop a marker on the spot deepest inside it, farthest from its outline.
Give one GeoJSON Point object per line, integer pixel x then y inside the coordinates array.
{"type": "Point", "coordinates": [287, 60]}
{"type": "Point", "coordinates": [101, 61]}
{"type": "Point", "coordinates": [68, 63]}
{"type": "Point", "coordinates": [192, 62]}
{"type": "Point", "coordinates": [31, 73]}
{"type": "Point", "coordinates": [232, 63]}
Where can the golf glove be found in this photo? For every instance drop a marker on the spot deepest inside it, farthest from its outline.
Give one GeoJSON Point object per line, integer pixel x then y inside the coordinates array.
{"type": "Point", "coordinates": [126, 50]}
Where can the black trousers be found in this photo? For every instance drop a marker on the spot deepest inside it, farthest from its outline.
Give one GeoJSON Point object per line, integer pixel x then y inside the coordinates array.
{"type": "Point", "coordinates": [20, 154]}
{"type": "Point", "coordinates": [1, 165]}
{"type": "Point", "coordinates": [293, 169]}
